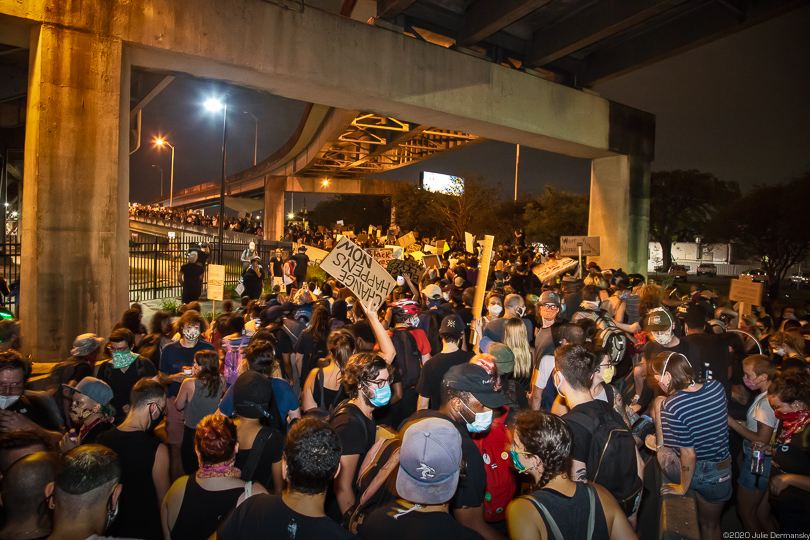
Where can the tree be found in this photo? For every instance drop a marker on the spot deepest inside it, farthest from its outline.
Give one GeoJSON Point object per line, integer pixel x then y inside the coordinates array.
{"type": "Point", "coordinates": [471, 207]}
{"type": "Point", "coordinates": [556, 214]}
{"type": "Point", "coordinates": [412, 207]}
{"type": "Point", "coordinates": [681, 202]}
{"type": "Point", "coordinates": [769, 224]}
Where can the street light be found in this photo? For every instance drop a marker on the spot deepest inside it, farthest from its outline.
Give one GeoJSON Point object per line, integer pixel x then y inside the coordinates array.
{"type": "Point", "coordinates": [325, 182]}
{"type": "Point", "coordinates": [256, 138]}
{"type": "Point", "coordinates": [215, 105]}
{"type": "Point", "coordinates": [161, 178]}
{"type": "Point", "coordinates": [160, 142]}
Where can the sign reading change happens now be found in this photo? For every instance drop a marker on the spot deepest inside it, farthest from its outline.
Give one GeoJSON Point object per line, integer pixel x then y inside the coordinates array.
{"type": "Point", "coordinates": [352, 266]}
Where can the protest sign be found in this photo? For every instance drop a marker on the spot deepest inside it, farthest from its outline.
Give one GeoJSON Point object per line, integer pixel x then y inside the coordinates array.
{"type": "Point", "coordinates": [370, 228]}
{"type": "Point", "coordinates": [569, 246]}
{"type": "Point", "coordinates": [352, 266]}
{"type": "Point", "coordinates": [432, 261]}
{"type": "Point", "coordinates": [416, 255]}
{"type": "Point", "coordinates": [748, 292]}
{"type": "Point", "coordinates": [315, 254]}
{"type": "Point", "coordinates": [396, 251]}
{"type": "Point", "coordinates": [216, 281]}
{"type": "Point", "coordinates": [407, 240]}
{"type": "Point", "coordinates": [468, 239]}
{"type": "Point", "coordinates": [381, 255]}
{"type": "Point", "coordinates": [553, 268]}
{"type": "Point", "coordinates": [362, 237]}
{"type": "Point", "coordinates": [481, 285]}
{"type": "Point", "coordinates": [340, 222]}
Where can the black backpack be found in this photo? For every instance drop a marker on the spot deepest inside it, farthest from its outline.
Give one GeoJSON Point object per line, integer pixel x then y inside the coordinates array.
{"type": "Point", "coordinates": [612, 456]}
{"type": "Point", "coordinates": [408, 359]}
{"type": "Point", "coordinates": [608, 335]}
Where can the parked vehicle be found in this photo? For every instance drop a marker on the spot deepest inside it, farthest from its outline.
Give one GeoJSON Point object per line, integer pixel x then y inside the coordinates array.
{"type": "Point", "coordinates": [758, 274]}
{"type": "Point", "coordinates": [802, 280]}
{"type": "Point", "coordinates": [707, 269]}
{"type": "Point", "coordinates": [678, 271]}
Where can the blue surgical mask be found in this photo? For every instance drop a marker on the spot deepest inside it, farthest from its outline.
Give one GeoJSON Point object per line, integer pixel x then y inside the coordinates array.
{"type": "Point", "coordinates": [382, 396]}
{"type": "Point", "coordinates": [482, 420]}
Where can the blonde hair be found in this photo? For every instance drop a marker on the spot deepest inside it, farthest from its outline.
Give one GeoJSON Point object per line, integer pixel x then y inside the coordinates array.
{"type": "Point", "coordinates": [516, 338]}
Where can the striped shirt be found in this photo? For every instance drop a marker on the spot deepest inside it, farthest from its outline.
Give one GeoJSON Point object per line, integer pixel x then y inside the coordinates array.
{"type": "Point", "coordinates": [698, 420]}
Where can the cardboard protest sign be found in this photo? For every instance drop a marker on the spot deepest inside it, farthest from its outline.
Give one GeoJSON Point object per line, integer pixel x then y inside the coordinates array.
{"type": "Point", "coordinates": [396, 251]}
{"type": "Point", "coordinates": [340, 222]}
{"type": "Point", "coordinates": [362, 237]}
{"type": "Point", "coordinates": [481, 284]}
{"type": "Point", "coordinates": [569, 245]}
{"type": "Point", "coordinates": [315, 254]}
{"type": "Point", "coordinates": [747, 292]}
{"type": "Point", "coordinates": [432, 261]}
{"type": "Point", "coordinates": [417, 255]}
{"type": "Point", "coordinates": [553, 268]}
{"type": "Point", "coordinates": [381, 255]}
{"type": "Point", "coordinates": [352, 266]}
{"type": "Point", "coordinates": [407, 240]}
{"type": "Point", "coordinates": [370, 228]}
{"type": "Point", "coordinates": [468, 240]}
{"type": "Point", "coordinates": [216, 281]}
{"type": "Point", "coordinates": [414, 269]}
{"type": "Point", "coordinates": [429, 249]}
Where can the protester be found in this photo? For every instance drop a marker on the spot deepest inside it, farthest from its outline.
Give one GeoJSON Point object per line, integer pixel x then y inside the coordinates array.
{"type": "Point", "coordinates": [22, 494]}
{"type": "Point", "coordinates": [430, 379]}
{"type": "Point", "coordinates": [195, 504]}
{"type": "Point", "coordinates": [311, 345]}
{"type": "Point", "coordinates": [91, 411]}
{"type": "Point", "coordinates": [311, 461]}
{"type": "Point", "coordinates": [199, 396]}
{"type": "Point", "coordinates": [86, 493]}
{"type": "Point", "coordinates": [21, 408]}
{"type": "Point", "coordinates": [123, 370]}
{"type": "Point", "coordinates": [190, 278]}
{"type": "Point", "coordinates": [543, 449]}
{"type": "Point", "coordinates": [144, 462]}
{"type": "Point", "coordinates": [323, 387]}
{"type": "Point", "coordinates": [253, 279]}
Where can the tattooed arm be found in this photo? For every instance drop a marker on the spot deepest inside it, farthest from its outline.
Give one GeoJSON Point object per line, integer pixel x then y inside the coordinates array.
{"type": "Point", "coordinates": [688, 460]}
{"type": "Point", "coordinates": [578, 472]}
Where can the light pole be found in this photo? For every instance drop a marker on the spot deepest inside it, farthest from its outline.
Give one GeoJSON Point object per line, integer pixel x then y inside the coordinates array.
{"type": "Point", "coordinates": [161, 142]}
{"type": "Point", "coordinates": [256, 138]}
{"type": "Point", "coordinates": [161, 178]}
{"type": "Point", "coordinates": [214, 104]}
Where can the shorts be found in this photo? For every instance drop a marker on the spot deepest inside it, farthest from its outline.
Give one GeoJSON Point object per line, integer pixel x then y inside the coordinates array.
{"type": "Point", "coordinates": [711, 482]}
{"type": "Point", "coordinates": [747, 479]}
{"type": "Point", "coordinates": [174, 422]}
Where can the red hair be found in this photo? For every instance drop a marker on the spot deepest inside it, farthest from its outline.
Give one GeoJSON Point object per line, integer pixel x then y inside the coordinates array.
{"type": "Point", "coordinates": [215, 439]}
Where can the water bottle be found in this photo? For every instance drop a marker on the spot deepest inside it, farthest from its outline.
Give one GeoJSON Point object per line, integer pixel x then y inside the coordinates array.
{"type": "Point", "coordinates": [757, 462]}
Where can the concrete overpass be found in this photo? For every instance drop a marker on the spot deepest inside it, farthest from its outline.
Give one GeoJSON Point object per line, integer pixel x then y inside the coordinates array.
{"type": "Point", "coordinates": [82, 54]}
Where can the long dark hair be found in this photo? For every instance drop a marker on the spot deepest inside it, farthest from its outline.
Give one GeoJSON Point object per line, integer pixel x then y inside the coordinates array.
{"type": "Point", "coordinates": [319, 324]}
{"type": "Point", "coordinates": [209, 371]}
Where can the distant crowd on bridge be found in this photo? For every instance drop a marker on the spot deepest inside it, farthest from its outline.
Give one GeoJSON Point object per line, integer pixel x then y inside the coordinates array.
{"type": "Point", "coordinates": [572, 404]}
{"type": "Point", "coordinates": [247, 224]}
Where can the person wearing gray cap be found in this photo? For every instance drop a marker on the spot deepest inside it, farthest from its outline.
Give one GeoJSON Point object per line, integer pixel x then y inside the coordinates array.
{"type": "Point", "coordinates": [468, 396]}
{"type": "Point", "coordinates": [90, 409]}
{"type": "Point", "coordinates": [428, 475]}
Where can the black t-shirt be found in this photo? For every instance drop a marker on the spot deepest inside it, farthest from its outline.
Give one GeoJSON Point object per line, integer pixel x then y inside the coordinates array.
{"type": "Point", "coordinates": [582, 437]}
{"type": "Point", "coordinates": [430, 379]}
{"type": "Point", "coordinates": [301, 263]}
{"type": "Point", "coordinates": [121, 382]}
{"type": "Point", "coordinates": [385, 524]}
{"type": "Point", "coordinates": [276, 268]}
{"type": "Point", "coordinates": [355, 430]}
{"type": "Point", "coordinates": [192, 276]}
{"type": "Point", "coordinates": [266, 516]}
{"type": "Point", "coordinates": [311, 351]}
{"type": "Point", "coordinates": [471, 489]}
{"type": "Point", "coordinates": [690, 351]}
{"type": "Point", "coordinates": [714, 357]}
{"type": "Point", "coordinates": [467, 316]}
{"type": "Point", "coordinates": [271, 453]}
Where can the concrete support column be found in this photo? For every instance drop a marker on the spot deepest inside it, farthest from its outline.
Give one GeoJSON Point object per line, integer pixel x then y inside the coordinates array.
{"type": "Point", "coordinates": [75, 237]}
{"type": "Point", "coordinates": [620, 212]}
{"type": "Point", "coordinates": [274, 187]}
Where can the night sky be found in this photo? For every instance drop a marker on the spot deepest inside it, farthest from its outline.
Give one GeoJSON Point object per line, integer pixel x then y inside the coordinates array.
{"type": "Point", "coordinates": [737, 107]}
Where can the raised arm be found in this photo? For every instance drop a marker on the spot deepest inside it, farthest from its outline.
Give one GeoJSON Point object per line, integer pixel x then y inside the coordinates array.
{"type": "Point", "coordinates": [387, 350]}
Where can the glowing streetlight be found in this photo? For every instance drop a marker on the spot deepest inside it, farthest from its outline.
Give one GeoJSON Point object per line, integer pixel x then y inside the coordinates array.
{"type": "Point", "coordinates": [290, 215]}
{"type": "Point", "coordinates": [160, 141]}
{"type": "Point", "coordinates": [215, 105]}
{"type": "Point", "coordinates": [325, 182]}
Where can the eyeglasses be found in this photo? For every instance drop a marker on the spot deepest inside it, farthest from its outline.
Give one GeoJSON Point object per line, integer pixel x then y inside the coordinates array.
{"type": "Point", "coordinates": [119, 349]}
{"type": "Point", "coordinates": [551, 306]}
{"type": "Point", "coordinates": [8, 387]}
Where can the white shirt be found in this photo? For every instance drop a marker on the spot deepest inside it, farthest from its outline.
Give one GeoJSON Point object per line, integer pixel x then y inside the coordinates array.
{"type": "Point", "coordinates": [760, 411]}
{"type": "Point", "coordinates": [544, 370]}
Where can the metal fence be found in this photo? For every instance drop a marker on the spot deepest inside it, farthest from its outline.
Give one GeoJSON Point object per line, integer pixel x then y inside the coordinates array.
{"type": "Point", "coordinates": [154, 263]}
{"type": "Point", "coordinates": [10, 257]}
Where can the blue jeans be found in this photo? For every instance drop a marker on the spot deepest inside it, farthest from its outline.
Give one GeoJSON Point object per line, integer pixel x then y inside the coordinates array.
{"type": "Point", "coordinates": [748, 480]}
{"type": "Point", "coordinates": [710, 483]}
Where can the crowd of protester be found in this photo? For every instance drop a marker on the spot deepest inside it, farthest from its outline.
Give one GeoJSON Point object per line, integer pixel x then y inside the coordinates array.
{"type": "Point", "coordinates": [559, 413]}
{"type": "Point", "coordinates": [245, 224]}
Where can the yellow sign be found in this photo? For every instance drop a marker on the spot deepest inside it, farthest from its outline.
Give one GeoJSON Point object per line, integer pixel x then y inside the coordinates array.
{"type": "Point", "coordinates": [216, 281]}
{"type": "Point", "coordinates": [748, 292]}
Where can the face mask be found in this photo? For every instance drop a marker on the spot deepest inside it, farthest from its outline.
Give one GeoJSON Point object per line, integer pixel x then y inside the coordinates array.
{"type": "Point", "coordinates": [122, 359]}
{"type": "Point", "coordinates": [191, 334]}
{"type": "Point", "coordinates": [381, 396]}
{"type": "Point", "coordinates": [779, 352]}
{"type": "Point", "coordinates": [78, 415]}
{"type": "Point", "coordinates": [446, 296]}
{"type": "Point", "coordinates": [751, 385]}
{"type": "Point", "coordinates": [519, 467]}
{"type": "Point", "coordinates": [8, 401]}
{"type": "Point", "coordinates": [663, 338]}
{"type": "Point", "coordinates": [495, 309]}
{"type": "Point", "coordinates": [414, 322]}
{"type": "Point", "coordinates": [482, 420]}
{"type": "Point", "coordinates": [664, 387]}
{"type": "Point", "coordinates": [111, 513]}
{"type": "Point", "coordinates": [607, 374]}
{"type": "Point", "coordinates": [520, 312]}
{"type": "Point", "coordinates": [557, 387]}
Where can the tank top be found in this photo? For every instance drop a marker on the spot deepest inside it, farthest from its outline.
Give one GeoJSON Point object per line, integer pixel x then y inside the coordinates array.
{"type": "Point", "coordinates": [568, 513]}
{"type": "Point", "coordinates": [330, 397]}
{"type": "Point", "coordinates": [201, 405]}
{"type": "Point", "coordinates": [202, 510]}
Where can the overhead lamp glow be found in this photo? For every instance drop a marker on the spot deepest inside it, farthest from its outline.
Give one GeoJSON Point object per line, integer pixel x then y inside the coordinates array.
{"type": "Point", "coordinates": [159, 142]}
{"type": "Point", "coordinates": [325, 182]}
{"type": "Point", "coordinates": [213, 104]}
{"type": "Point", "coordinates": [290, 215]}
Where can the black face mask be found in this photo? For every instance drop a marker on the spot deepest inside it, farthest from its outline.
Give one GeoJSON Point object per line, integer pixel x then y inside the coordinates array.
{"type": "Point", "coordinates": [112, 513]}
{"type": "Point", "coordinates": [154, 422]}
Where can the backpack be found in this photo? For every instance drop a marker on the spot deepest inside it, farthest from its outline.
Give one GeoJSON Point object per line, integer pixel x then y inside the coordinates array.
{"type": "Point", "coordinates": [608, 335]}
{"type": "Point", "coordinates": [612, 456]}
{"type": "Point", "coordinates": [233, 360]}
{"type": "Point", "coordinates": [408, 359]}
{"type": "Point", "coordinates": [501, 486]}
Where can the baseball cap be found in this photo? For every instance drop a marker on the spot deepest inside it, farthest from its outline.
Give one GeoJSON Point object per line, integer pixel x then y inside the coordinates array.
{"type": "Point", "coordinates": [85, 344]}
{"type": "Point", "coordinates": [453, 325]}
{"type": "Point", "coordinates": [288, 307]}
{"type": "Point", "coordinates": [429, 462]}
{"type": "Point", "coordinates": [504, 357]}
{"type": "Point", "coordinates": [694, 317]}
{"type": "Point", "coordinates": [459, 281]}
{"type": "Point", "coordinates": [550, 297]}
{"type": "Point", "coordinates": [97, 390]}
{"type": "Point", "coordinates": [273, 313]}
{"type": "Point", "coordinates": [475, 380]}
{"type": "Point", "coordinates": [657, 320]}
{"type": "Point", "coordinates": [252, 393]}
{"type": "Point", "coordinates": [432, 291]}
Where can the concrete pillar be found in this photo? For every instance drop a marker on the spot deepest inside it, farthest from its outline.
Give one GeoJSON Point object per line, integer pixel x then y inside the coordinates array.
{"type": "Point", "coordinates": [75, 223]}
{"type": "Point", "coordinates": [274, 187]}
{"type": "Point", "coordinates": [620, 212]}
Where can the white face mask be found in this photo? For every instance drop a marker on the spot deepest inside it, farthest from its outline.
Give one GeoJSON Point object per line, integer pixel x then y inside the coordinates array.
{"type": "Point", "coordinates": [495, 309]}
{"type": "Point", "coordinates": [521, 311]}
{"type": "Point", "coordinates": [8, 401]}
{"type": "Point", "coordinates": [191, 334]}
{"type": "Point", "coordinates": [663, 338]}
